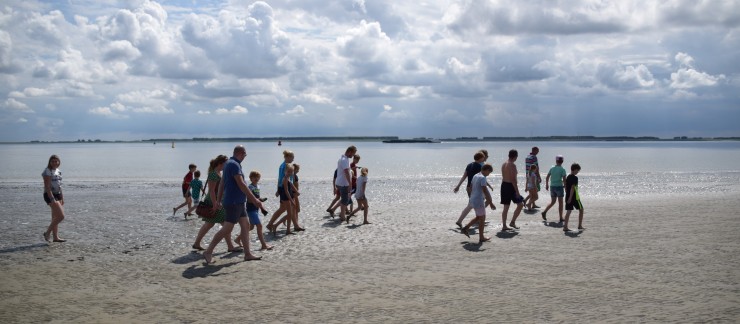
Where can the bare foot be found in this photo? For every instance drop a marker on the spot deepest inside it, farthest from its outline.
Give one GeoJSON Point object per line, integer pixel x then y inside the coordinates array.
{"type": "Point", "coordinates": [237, 241]}
{"type": "Point", "coordinates": [366, 223]}
{"type": "Point", "coordinates": [252, 257]}
{"type": "Point", "coordinates": [505, 229]}
{"type": "Point", "coordinates": [208, 257]}
{"type": "Point", "coordinates": [266, 247]}
{"type": "Point", "coordinates": [174, 211]}
{"type": "Point", "coordinates": [513, 226]}
{"type": "Point", "coordinates": [485, 239]}
{"type": "Point", "coordinates": [565, 229]}
{"type": "Point", "coordinates": [464, 230]}
{"type": "Point", "coordinates": [60, 240]}
{"type": "Point", "coordinates": [581, 228]}
{"type": "Point", "coordinates": [198, 247]}
{"type": "Point", "coordinates": [299, 229]}
{"type": "Point", "coordinates": [46, 237]}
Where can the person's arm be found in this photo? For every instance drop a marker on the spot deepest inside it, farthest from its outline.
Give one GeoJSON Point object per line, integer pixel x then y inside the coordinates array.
{"type": "Point", "coordinates": [464, 176]}
{"type": "Point", "coordinates": [489, 199]}
{"type": "Point", "coordinates": [47, 188]}
{"type": "Point", "coordinates": [245, 189]}
{"type": "Point", "coordinates": [512, 170]}
{"type": "Point", "coordinates": [220, 194]}
{"type": "Point", "coordinates": [212, 193]}
{"type": "Point", "coordinates": [547, 181]}
{"type": "Point", "coordinates": [572, 194]}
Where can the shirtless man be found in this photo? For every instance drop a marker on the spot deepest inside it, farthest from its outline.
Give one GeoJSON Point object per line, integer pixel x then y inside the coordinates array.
{"type": "Point", "coordinates": [510, 190]}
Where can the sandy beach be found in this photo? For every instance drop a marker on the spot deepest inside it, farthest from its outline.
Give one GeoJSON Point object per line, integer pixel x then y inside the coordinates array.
{"type": "Point", "coordinates": [659, 258]}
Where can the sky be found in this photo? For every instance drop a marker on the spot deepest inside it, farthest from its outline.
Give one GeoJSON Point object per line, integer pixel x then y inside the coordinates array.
{"type": "Point", "coordinates": [131, 70]}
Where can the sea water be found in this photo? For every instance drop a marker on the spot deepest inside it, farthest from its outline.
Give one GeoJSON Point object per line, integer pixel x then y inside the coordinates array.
{"type": "Point", "coordinates": [607, 168]}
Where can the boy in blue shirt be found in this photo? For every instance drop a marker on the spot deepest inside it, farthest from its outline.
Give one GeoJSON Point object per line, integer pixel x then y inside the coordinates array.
{"type": "Point", "coordinates": [554, 183]}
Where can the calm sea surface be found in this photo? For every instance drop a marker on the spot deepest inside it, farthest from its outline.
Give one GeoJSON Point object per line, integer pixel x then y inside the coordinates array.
{"type": "Point", "coordinates": [607, 167]}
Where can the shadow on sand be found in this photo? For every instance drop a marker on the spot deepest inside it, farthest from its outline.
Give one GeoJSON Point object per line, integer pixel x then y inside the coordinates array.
{"type": "Point", "coordinates": [553, 224]}
{"type": "Point", "coordinates": [506, 234]}
{"type": "Point", "coordinates": [573, 234]}
{"type": "Point", "coordinates": [204, 270]}
{"type": "Point", "coordinates": [473, 247]}
{"type": "Point", "coordinates": [24, 248]}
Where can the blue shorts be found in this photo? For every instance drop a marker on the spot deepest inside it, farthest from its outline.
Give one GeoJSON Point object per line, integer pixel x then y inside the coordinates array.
{"type": "Point", "coordinates": [254, 217]}
{"type": "Point", "coordinates": [557, 191]}
{"type": "Point", "coordinates": [234, 212]}
{"type": "Point", "coordinates": [344, 194]}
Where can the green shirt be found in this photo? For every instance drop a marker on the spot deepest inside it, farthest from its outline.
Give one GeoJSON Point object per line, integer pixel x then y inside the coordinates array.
{"type": "Point", "coordinates": [557, 173]}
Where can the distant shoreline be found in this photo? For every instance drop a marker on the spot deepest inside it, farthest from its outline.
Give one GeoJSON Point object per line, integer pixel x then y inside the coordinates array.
{"type": "Point", "coordinates": [392, 138]}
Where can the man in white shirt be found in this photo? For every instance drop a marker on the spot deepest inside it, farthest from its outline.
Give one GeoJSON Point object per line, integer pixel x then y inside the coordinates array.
{"type": "Point", "coordinates": [343, 180]}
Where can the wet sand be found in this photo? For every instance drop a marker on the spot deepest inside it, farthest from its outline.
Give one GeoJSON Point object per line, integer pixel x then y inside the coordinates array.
{"type": "Point", "coordinates": [658, 258]}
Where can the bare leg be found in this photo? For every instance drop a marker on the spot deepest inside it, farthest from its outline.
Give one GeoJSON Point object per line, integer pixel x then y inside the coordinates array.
{"type": "Point", "coordinates": [225, 231]}
{"type": "Point", "coordinates": [202, 233]}
{"type": "Point", "coordinates": [560, 208]}
{"type": "Point", "coordinates": [261, 236]}
{"type": "Point", "coordinates": [57, 216]}
{"type": "Point", "coordinates": [365, 212]}
{"type": "Point", "coordinates": [244, 226]}
{"type": "Point", "coordinates": [463, 214]}
{"type": "Point", "coordinates": [544, 213]}
{"type": "Point", "coordinates": [296, 209]}
{"type": "Point", "coordinates": [516, 214]}
{"type": "Point", "coordinates": [567, 217]}
{"type": "Point", "coordinates": [481, 225]}
{"type": "Point", "coordinates": [580, 219]}
{"type": "Point", "coordinates": [504, 215]}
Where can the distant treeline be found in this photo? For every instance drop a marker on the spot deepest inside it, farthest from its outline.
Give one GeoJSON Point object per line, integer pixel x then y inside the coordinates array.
{"type": "Point", "coordinates": [384, 138]}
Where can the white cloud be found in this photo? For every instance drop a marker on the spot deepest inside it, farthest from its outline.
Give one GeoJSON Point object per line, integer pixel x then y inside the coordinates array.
{"type": "Point", "coordinates": [21, 120]}
{"type": "Point", "coordinates": [690, 78]}
{"type": "Point", "coordinates": [387, 107]}
{"type": "Point", "coordinates": [239, 110]}
{"type": "Point", "coordinates": [16, 106]}
{"type": "Point", "coordinates": [107, 112]}
{"type": "Point", "coordinates": [296, 111]}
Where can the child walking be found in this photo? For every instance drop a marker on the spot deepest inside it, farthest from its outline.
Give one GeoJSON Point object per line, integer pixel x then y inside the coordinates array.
{"type": "Point", "coordinates": [572, 198]}
{"type": "Point", "coordinates": [554, 183]}
{"type": "Point", "coordinates": [186, 189]}
{"type": "Point", "coordinates": [360, 196]}
{"type": "Point", "coordinates": [253, 212]}
{"type": "Point", "coordinates": [196, 187]}
{"type": "Point", "coordinates": [480, 197]}
{"type": "Point", "coordinates": [532, 184]}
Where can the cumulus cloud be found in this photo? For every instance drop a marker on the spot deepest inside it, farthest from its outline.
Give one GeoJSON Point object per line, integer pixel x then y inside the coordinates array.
{"type": "Point", "coordinates": [16, 106]}
{"type": "Point", "coordinates": [296, 111]}
{"type": "Point", "coordinates": [107, 112]}
{"type": "Point", "coordinates": [245, 44]}
{"type": "Point", "coordinates": [238, 110]}
{"type": "Point", "coordinates": [365, 46]}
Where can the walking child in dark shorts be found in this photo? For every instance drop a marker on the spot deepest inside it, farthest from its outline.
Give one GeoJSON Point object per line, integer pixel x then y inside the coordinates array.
{"type": "Point", "coordinates": [572, 198]}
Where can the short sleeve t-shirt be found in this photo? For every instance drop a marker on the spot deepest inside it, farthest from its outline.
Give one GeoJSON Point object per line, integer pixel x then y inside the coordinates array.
{"type": "Point", "coordinates": [342, 165]}
{"type": "Point", "coordinates": [255, 189]}
{"type": "Point", "coordinates": [195, 186]}
{"type": "Point", "coordinates": [477, 198]}
{"type": "Point", "coordinates": [186, 180]}
{"type": "Point", "coordinates": [361, 184]}
{"type": "Point", "coordinates": [571, 182]}
{"type": "Point", "coordinates": [472, 169]}
{"type": "Point", "coordinates": [531, 159]}
{"type": "Point", "coordinates": [233, 195]}
{"type": "Point", "coordinates": [557, 173]}
{"type": "Point", "coordinates": [56, 179]}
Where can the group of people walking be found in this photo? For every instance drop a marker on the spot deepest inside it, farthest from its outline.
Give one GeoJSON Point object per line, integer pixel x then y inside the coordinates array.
{"type": "Point", "coordinates": [234, 201]}
{"type": "Point", "coordinates": [557, 183]}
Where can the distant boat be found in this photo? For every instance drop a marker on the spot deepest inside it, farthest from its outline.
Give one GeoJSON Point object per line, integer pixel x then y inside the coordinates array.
{"type": "Point", "coordinates": [413, 140]}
